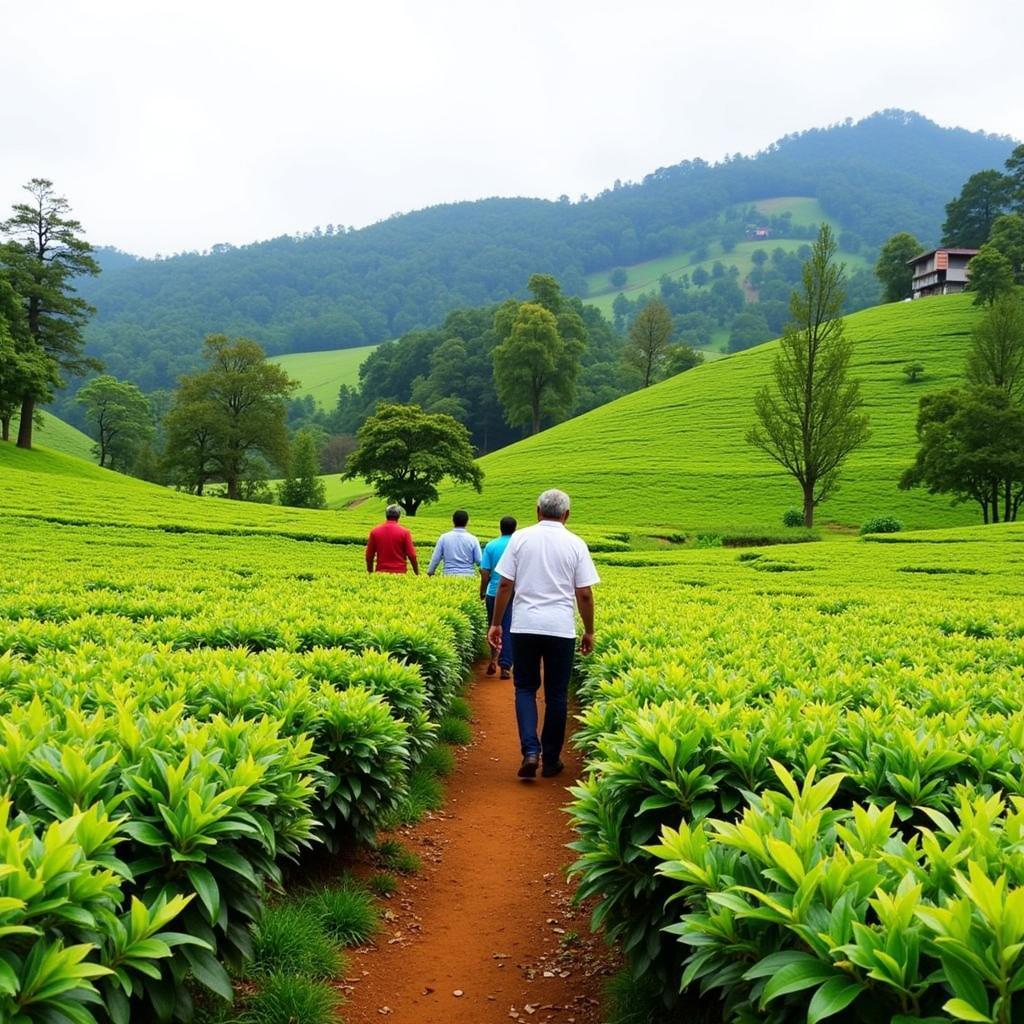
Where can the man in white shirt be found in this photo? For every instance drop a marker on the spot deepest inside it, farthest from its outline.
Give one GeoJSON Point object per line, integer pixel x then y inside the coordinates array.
{"type": "Point", "coordinates": [550, 571]}
{"type": "Point", "coordinates": [458, 550]}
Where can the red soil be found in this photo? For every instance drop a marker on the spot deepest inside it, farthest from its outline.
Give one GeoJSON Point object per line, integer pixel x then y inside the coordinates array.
{"type": "Point", "coordinates": [486, 932]}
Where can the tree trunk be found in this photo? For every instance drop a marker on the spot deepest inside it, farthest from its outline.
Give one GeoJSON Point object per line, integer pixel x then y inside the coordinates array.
{"type": "Point", "coordinates": [808, 505]}
{"type": "Point", "coordinates": [232, 482]}
{"type": "Point", "coordinates": [5, 428]}
{"type": "Point", "coordinates": [1008, 506]}
{"type": "Point", "coordinates": [995, 503]}
{"type": "Point", "coordinates": [28, 411]}
{"type": "Point", "coordinates": [536, 421]}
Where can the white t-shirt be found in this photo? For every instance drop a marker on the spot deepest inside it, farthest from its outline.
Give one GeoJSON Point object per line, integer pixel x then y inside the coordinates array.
{"type": "Point", "coordinates": [548, 564]}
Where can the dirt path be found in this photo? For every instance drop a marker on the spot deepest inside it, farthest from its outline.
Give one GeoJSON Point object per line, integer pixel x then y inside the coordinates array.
{"type": "Point", "coordinates": [486, 932]}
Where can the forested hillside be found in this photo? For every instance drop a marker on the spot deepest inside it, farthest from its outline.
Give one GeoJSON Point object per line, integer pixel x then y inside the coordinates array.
{"type": "Point", "coordinates": [336, 288]}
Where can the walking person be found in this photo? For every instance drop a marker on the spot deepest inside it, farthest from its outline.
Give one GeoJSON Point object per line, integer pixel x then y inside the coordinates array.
{"type": "Point", "coordinates": [489, 581]}
{"type": "Point", "coordinates": [389, 545]}
{"type": "Point", "coordinates": [549, 570]}
{"type": "Point", "coordinates": [458, 550]}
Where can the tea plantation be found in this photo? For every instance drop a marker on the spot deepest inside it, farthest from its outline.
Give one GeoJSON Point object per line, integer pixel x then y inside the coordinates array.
{"type": "Point", "coordinates": [804, 792]}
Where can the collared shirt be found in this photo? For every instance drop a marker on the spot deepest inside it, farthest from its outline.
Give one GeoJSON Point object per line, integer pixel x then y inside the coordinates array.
{"type": "Point", "coordinates": [548, 564]}
{"type": "Point", "coordinates": [460, 552]}
{"type": "Point", "coordinates": [391, 544]}
{"type": "Point", "coordinates": [492, 556]}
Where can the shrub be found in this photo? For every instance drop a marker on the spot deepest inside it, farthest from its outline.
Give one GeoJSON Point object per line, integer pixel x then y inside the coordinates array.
{"type": "Point", "coordinates": [882, 524]}
{"type": "Point", "coordinates": [792, 517]}
{"type": "Point", "coordinates": [345, 912]}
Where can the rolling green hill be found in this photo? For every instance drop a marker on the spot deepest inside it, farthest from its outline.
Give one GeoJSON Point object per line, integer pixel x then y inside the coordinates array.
{"type": "Point", "coordinates": [59, 436]}
{"type": "Point", "coordinates": [674, 455]}
{"type": "Point", "coordinates": [322, 373]}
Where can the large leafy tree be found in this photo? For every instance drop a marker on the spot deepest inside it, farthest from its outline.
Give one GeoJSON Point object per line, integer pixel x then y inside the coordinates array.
{"type": "Point", "coordinates": [996, 355]}
{"type": "Point", "coordinates": [990, 275]}
{"type": "Point", "coordinates": [404, 453]}
{"type": "Point", "coordinates": [891, 267]}
{"type": "Point", "coordinates": [42, 257]}
{"type": "Point", "coordinates": [969, 218]}
{"type": "Point", "coordinates": [1007, 237]}
{"type": "Point", "coordinates": [228, 415]}
{"type": "Point", "coordinates": [809, 419]}
{"type": "Point", "coordinates": [650, 336]}
{"type": "Point", "coordinates": [119, 417]}
{"type": "Point", "coordinates": [1015, 174]}
{"type": "Point", "coordinates": [537, 360]}
{"type": "Point", "coordinates": [972, 447]}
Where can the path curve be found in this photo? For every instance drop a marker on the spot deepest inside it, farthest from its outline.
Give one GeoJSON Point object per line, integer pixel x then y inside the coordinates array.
{"type": "Point", "coordinates": [490, 916]}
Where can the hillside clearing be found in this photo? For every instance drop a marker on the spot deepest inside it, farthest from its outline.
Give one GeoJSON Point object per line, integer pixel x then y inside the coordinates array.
{"type": "Point", "coordinates": [321, 374]}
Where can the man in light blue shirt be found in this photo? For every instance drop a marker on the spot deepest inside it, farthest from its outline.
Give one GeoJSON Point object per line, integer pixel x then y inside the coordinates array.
{"type": "Point", "coordinates": [489, 581]}
{"type": "Point", "coordinates": [458, 549]}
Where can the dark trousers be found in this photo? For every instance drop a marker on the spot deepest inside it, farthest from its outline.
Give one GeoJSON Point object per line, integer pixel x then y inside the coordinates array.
{"type": "Point", "coordinates": [505, 658]}
{"type": "Point", "coordinates": [548, 659]}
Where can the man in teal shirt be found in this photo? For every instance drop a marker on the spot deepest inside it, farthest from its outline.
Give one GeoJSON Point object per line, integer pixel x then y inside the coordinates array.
{"type": "Point", "coordinates": [489, 583]}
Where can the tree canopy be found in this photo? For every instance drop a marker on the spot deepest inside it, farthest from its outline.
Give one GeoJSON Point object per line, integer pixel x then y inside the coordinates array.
{"type": "Point", "coordinates": [404, 453]}
{"type": "Point", "coordinates": [892, 268]}
{"type": "Point", "coordinates": [119, 418]}
{"type": "Point", "coordinates": [227, 415]}
{"type": "Point", "coordinates": [971, 447]}
{"type": "Point", "coordinates": [43, 259]}
{"type": "Point", "coordinates": [650, 338]}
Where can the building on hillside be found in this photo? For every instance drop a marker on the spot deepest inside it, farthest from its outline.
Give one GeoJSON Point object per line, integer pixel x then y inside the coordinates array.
{"type": "Point", "coordinates": [940, 272]}
{"type": "Point", "coordinates": [758, 232]}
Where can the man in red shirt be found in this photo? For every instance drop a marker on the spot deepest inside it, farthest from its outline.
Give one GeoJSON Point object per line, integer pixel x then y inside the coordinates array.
{"type": "Point", "coordinates": [391, 544]}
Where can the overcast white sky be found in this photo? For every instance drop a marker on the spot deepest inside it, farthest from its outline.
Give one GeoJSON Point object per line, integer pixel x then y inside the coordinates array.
{"type": "Point", "coordinates": [173, 126]}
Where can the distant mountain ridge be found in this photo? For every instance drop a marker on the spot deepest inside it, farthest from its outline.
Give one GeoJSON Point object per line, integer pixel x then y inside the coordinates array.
{"type": "Point", "coordinates": [891, 171]}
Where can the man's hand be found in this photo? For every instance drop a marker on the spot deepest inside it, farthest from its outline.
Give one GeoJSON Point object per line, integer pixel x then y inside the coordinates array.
{"type": "Point", "coordinates": [494, 638]}
{"type": "Point", "coordinates": [587, 643]}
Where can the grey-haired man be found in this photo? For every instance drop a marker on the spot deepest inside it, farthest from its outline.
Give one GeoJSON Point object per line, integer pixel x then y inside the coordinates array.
{"type": "Point", "coordinates": [551, 573]}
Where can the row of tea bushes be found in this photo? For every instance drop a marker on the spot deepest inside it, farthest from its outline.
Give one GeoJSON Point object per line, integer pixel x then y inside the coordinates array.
{"type": "Point", "coordinates": [221, 712]}
{"type": "Point", "coordinates": [719, 861]}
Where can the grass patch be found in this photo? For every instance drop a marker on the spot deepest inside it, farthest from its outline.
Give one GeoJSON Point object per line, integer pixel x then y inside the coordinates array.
{"type": "Point", "coordinates": [439, 760]}
{"type": "Point", "coordinates": [292, 999]}
{"type": "Point", "coordinates": [452, 729]}
{"type": "Point", "coordinates": [398, 857]}
{"type": "Point", "coordinates": [460, 708]}
{"type": "Point", "coordinates": [291, 938]}
{"type": "Point", "coordinates": [382, 883]}
{"type": "Point", "coordinates": [345, 912]}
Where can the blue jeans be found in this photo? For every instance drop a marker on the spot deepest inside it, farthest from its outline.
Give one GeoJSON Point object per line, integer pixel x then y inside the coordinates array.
{"type": "Point", "coordinates": [505, 658]}
{"type": "Point", "coordinates": [554, 655]}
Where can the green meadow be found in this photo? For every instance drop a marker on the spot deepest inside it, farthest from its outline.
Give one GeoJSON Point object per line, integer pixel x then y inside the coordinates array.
{"type": "Point", "coordinates": [58, 436]}
{"type": "Point", "coordinates": [320, 374]}
{"type": "Point", "coordinates": [674, 455]}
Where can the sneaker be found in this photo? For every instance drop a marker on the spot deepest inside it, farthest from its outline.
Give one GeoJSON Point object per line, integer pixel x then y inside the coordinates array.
{"type": "Point", "coordinates": [505, 673]}
{"type": "Point", "coordinates": [528, 769]}
{"type": "Point", "coordinates": [551, 770]}
{"type": "Point", "coordinates": [491, 669]}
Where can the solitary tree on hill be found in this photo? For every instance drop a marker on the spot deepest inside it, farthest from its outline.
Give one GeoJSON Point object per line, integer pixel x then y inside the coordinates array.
{"type": "Point", "coordinates": [404, 453]}
{"type": "Point", "coordinates": [41, 259]}
{"type": "Point", "coordinates": [650, 337]}
{"type": "Point", "coordinates": [892, 269]}
{"type": "Point", "coordinates": [809, 420]}
{"type": "Point", "coordinates": [25, 369]}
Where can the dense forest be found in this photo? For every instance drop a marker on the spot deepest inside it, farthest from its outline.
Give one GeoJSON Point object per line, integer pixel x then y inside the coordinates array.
{"type": "Point", "coordinates": [335, 288]}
